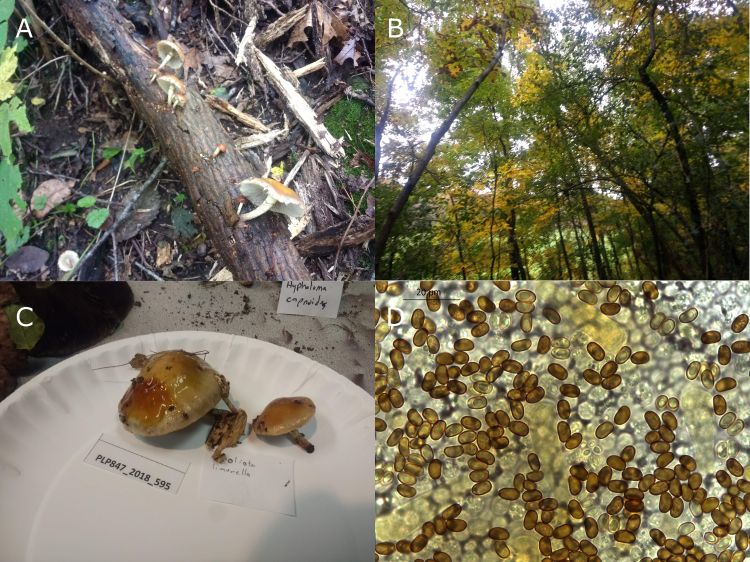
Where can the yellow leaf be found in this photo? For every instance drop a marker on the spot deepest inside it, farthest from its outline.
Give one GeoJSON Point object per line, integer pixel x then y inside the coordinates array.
{"type": "Point", "coordinates": [8, 64]}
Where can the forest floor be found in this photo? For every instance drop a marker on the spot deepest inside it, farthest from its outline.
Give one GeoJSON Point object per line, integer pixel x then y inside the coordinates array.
{"type": "Point", "coordinates": [89, 149]}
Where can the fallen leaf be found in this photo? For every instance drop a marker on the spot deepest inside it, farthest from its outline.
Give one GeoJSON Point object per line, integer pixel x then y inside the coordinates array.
{"type": "Point", "coordinates": [330, 24]}
{"type": "Point", "coordinates": [145, 210]}
{"type": "Point", "coordinates": [28, 259]}
{"type": "Point", "coordinates": [48, 195]}
{"type": "Point", "coordinates": [348, 51]}
{"type": "Point", "coordinates": [163, 254]}
{"type": "Point", "coordinates": [192, 60]}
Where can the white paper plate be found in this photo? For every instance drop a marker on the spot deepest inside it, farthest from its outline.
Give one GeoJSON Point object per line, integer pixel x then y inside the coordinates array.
{"type": "Point", "coordinates": [53, 506]}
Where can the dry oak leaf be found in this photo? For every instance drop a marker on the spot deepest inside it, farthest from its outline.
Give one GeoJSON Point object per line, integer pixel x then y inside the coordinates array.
{"type": "Point", "coordinates": [48, 195]}
{"type": "Point", "coordinates": [163, 253]}
{"type": "Point", "coordinates": [348, 51]}
{"type": "Point", "coordinates": [329, 22]}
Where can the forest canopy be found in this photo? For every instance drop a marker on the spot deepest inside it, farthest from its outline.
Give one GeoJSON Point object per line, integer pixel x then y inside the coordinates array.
{"type": "Point", "coordinates": [603, 139]}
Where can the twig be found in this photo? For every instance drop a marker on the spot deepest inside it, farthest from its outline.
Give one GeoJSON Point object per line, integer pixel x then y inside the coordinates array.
{"type": "Point", "coordinates": [244, 118]}
{"type": "Point", "coordinates": [123, 215]}
{"type": "Point", "coordinates": [147, 271]}
{"type": "Point", "coordinates": [310, 68]}
{"type": "Point", "coordinates": [352, 93]}
{"type": "Point", "coordinates": [30, 10]}
{"type": "Point", "coordinates": [30, 74]}
{"type": "Point", "coordinates": [114, 255]}
{"type": "Point", "coordinates": [293, 172]}
{"type": "Point", "coordinates": [356, 212]}
{"type": "Point", "coordinates": [122, 160]}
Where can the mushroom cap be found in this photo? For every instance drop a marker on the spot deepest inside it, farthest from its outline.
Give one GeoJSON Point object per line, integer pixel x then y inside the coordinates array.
{"type": "Point", "coordinates": [67, 260]}
{"type": "Point", "coordinates": [287, 200]}
{"type": "Point", "coordinates": [172, 390]}
{"type": "Point", "coordinates": [165, 48]}
{"type": "Point", "coordinates": [284, 415]}
{"type": "Point", "coordinates": [165, 81]}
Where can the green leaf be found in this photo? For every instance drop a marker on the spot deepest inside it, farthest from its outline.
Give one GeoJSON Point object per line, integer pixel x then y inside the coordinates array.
{"type": "Point", "coordinates": [20, 43]}
{"type": "Point", "coordinates": [12, 111]}
{"type": "Point", "coordinates": [6, 10]}
{"type": "Point", "coordinates": [179, 199]}
{"type": "Point", "coordinates": [97, 217]}
{"type": "Point", "coordinates": [138, 155]}
{"type": "Point", "coordinates": [67, 209]}
{"type": "Point", "coordinates": [39, 202]}
{"type": "Point", "coordinates": [10, 225]}
{"type": "Point", "coordinates": [24, 337]}
{"type": "Point", "coordinates": [110, 152]}
{"type": "Point", "coordinates": [182, 220]}
{"type": "Point", "coordinates": [8, 64]}
{"type": "Point", "coordinates": [86, 202]}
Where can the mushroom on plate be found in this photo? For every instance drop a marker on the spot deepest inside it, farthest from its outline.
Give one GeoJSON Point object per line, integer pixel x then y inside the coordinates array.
{"type": "Point", "coordinates": [173, 390]}
{"type": "Point", "coordinates": [170, 54]}
{"type": "Point", "coordinates": [284, 416]}
{"type": "Point", "coordinates": [175, 89]}
{"type": "Point", "coordinates": [267, 194]}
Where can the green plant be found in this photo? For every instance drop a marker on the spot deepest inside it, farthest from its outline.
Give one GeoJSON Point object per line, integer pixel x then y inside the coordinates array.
{"type": "Point", "coordinates": [137, 156]}
{"type": "Point", "coordinates": [12, 110]}
{"type": "Point", "coordinates": [179, 199]}
{"type": "Point", "coordinates": [96, 217]}
{"type": "Point", "coordinates": [109, 152]}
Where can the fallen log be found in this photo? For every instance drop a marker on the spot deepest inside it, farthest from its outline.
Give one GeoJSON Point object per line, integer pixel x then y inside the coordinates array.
{"type": "Point", "coordinates": [188, 136]}
{"type": "Point", "coordinates": [327, 241]}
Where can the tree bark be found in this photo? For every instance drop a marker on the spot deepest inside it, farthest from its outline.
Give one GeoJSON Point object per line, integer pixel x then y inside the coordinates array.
{"type": "Point", "coordinates": [393, 213]}
{"type": "Point", "coordinates": [188, 136]}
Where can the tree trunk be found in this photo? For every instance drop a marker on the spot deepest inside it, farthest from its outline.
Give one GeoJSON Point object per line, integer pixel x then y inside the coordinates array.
{"type": "Point", "coordinates": [615, 257]}
{"type": "Point", "coordinates": [516, 261]}
{"type": "Point", "coordinates": [188, 136]}
{"type": "Point", "coordinates": [637, 261]}
{"type": "Point", "coordinates": [580, 250]}
{"type": "Point", "coordinates": [458, 237]}
{"type": "Point", "coordinates": [562, 246]}
{"type": "Point", "coordinates": [682, 156]}
{"type": "Point", "coordinates": [492, 216]}
{"type": "Point", "coordinates": [600, 271]}
{"type": "Point", "coordinates": [393, 213]}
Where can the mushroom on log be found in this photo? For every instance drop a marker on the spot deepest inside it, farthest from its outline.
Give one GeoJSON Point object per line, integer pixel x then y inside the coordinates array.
{"type": "Point", "coordinates": [259, 249]}
{"type": "Point", "coordinates": [267, 194]}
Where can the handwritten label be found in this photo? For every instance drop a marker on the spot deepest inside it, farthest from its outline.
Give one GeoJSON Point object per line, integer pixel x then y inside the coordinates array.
{"type": "Point", "coordinates": [310, 298]}
{"type": "Point", "coordinates": [251, 480]}
{"type": "Point", "coordinates": [115, 457]}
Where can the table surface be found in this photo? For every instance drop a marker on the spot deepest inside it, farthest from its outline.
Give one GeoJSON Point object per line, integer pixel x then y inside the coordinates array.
{"type": "Point", "coordinates": [345, 344]}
